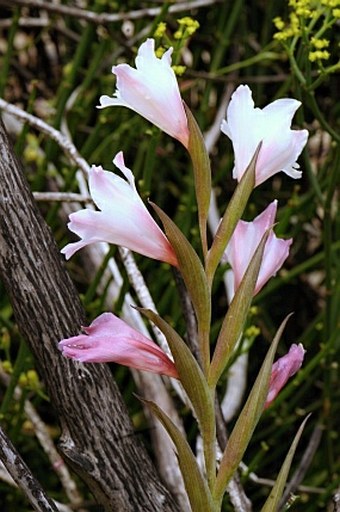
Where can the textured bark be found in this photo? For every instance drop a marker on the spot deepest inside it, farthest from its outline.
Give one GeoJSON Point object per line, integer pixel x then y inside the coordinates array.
{"type": "Point", "coordinates": [21, 474]}
{"type": "Point", "coordinates": [97, 438]}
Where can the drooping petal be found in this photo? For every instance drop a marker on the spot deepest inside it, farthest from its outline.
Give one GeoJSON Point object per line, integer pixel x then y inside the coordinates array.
{"type": "Point", "coordinates": [283, 369]}
{"type": "Point", "coordinates": [123, 220]}
{"type": "Point", "coordinates": [247, 126]}
{"type": "Point", "coordinates": [109, 339]}
{"type": "Point", "coordinates": [151, 90]}
{"type": "Point", "coordinates": [244, 242]}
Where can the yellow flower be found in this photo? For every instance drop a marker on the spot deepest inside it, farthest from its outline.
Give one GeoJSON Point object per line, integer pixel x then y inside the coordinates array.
{"type": "Point", "coordinates": [160, 30]}
{"type": "Point", "coordinates": [279, 23]}
{"type": "Point", "coordinates": [318, 55]}
{"type": "Point", "coordinates": [319, 43]}
{"type": "Point", "coordinates": [179, 70]}
{"type": "Point", "coordinates": [160, 52]}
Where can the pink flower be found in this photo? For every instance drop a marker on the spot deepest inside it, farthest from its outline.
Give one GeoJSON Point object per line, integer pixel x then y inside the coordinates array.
{"type": "Point", "coordinates": [109, 339]}
{"type": "Point", "coordinates": [246, 126]}
{"type": "Point", "coordinates": [244, 242]}
{"type": "Point", "coordinates": [152, 91]}
{"type": "Point", "coordinates": [283, 369]}
{"type": "Point", "coordinates": [123, 219]}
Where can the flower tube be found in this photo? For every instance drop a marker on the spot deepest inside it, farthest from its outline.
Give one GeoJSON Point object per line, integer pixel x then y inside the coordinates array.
{"type": "Point", "coordinates": [151, 90]}
{"type": "Point", "coordinates": [109, 339]}
{"type": "Point", "coordinates": [123, 218]}
{"type": "Point", "coordinates": [246, 126]}
{"type": "Point", "coordinates": [243, 243]}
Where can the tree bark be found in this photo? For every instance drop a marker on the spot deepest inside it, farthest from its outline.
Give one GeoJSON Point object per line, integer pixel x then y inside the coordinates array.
{"type": "Point", "coordinates": [97, 437]}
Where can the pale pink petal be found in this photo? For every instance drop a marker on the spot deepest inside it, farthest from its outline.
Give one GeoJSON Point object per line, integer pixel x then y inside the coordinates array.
{"type": "Point", "coordinates": [247, 126]}
{"type": "Point", "coordinates": [238, 126]}
{"type": "Point", "coordinates": [275, 254]}
{"type": "Point", "coordinates": [123, 220]}
{"type": "Point", "coordinates": [109, 339]}
{"type": "Point", "coordinates": [246, 239]}
{"type": "Point", "coordinates": [283, 369]}
{"type": "Point", "coordinates": [152, 91]}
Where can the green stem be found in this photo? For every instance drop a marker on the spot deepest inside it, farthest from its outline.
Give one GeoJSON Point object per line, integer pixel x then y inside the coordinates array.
{"type": "Point", "coordinates": [324, 76]}
{"type": "Point", "coordinates": [68, 84]}
{"type": "Point", "coordinates": [316, 111]}
{"type": "Point", "coordinates": [20, 142]}
{"type": "Point", "coordinates": [204, 345]}
{"type": "Point", "coordinates": [330, 326]}
{"type": "Point", "coordinates": [18, 368]}
{"type": "Point", "coordinates": [296, 69]}
{"type": "Point", "coordinates": [209, 447]}
{"type": "Point", "coordinates": [6, 59]}
{"type": "Point", "coordinates": [259, 57]}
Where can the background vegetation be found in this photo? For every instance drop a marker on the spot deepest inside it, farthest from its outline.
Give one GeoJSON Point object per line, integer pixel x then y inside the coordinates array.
{"type": "Point", "coordinates": [56, 65]}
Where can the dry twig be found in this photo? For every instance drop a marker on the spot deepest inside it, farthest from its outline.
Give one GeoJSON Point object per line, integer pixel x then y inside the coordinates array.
{"type": "Point", "coordinates": [22, 475]}
{"type": "Point", "coordinates": [105, 18]}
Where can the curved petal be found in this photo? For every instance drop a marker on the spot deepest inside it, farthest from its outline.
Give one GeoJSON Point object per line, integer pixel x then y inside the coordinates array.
{"type": "Point", "coordinates": [275, 254]}
{"type": "Point", "coordinates": [123, 220]}
{"type": "Point", "coordinates": [152, 91]}
{"type": "Point", "coordinates": [239, 125]}
{"type": "Point", "coordinates": [247, 126]}
{"type": "Point", "coordinates": [244, 242]}
{"type": "Point", "coordinates": [109, 339]}
{"type": "Point", "coordinates": [283, 369]}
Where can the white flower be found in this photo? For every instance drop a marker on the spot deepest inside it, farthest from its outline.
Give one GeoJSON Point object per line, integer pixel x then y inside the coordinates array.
{"type": "Point", "coordinates": [152, 91]}
{"type": "Point", "coordinates": [247, 126]}
{"type": "Point", "coordinates": [123, 220]}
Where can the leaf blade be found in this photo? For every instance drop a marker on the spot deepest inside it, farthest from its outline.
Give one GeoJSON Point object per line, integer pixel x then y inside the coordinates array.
{"type": "Point", "coordinates": [235, 318]}
{"type": "Point", "coordinates": [195, 281]}
{"type": "Point", "coordinates": [202, 174]}
{"type": "Point", "coordinates": [273, 500]}
{"type": "Point", "coordinates": [231, 216]}
{"type": "Point", "coordinates": [196, 486]}
{"type": "Point", "coordinates": [247, 420]}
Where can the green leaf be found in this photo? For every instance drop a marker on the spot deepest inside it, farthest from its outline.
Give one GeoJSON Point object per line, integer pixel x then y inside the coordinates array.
{"type": "Point", "coordinates": [231, 216]}
{"type": "Point", "coordinates": [195, 281]}
{"type": "Point", "coordinates": [247, 421]}
{"type": "Point", "coordinates": [190, 373]}
{"type": "Point", "coordinates": [195, 385]}
{"type": "Point", "coordinates": [202, 174]}
{"type": "Point", "coordinates": [235, 318]}
{"type": "Point", "coordinates": [273, 500]}
{"type": "Point", "coordinates": [196, 486]}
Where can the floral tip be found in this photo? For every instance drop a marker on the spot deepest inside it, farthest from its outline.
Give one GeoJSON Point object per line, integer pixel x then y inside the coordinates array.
{"type": "Point", "coordinates": [283, 369]}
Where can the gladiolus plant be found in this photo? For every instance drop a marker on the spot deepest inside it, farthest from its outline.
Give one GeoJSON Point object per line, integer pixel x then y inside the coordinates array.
{"type": "Point", "coordinates": [264, 144]}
